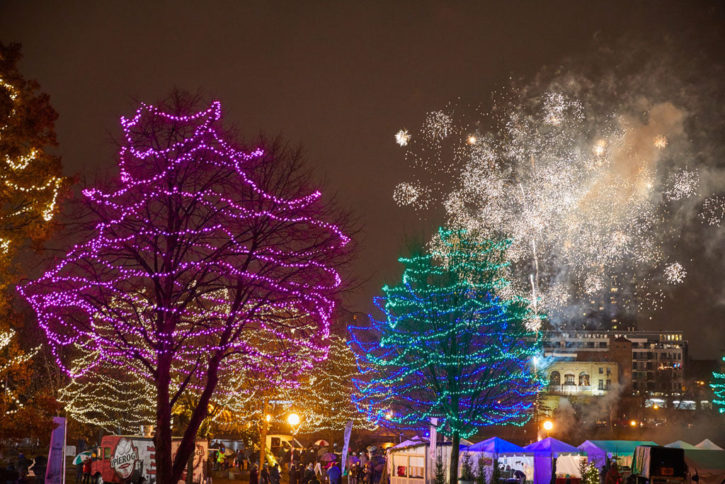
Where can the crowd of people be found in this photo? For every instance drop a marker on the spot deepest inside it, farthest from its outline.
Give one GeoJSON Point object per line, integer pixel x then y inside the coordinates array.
{"type": "Point", "coordinates": [314, 465]}
{"type": "Point", "coordinates": [361, 468]}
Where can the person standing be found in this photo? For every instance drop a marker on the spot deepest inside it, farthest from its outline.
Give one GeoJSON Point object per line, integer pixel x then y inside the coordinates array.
{"type": "Point", "coordinates": [334, 475]}
{"type": "Point", "coordinates": [378, 464]}
{"type": "Point", "coordinates": [246, 458]}
{"type": "Point", "coordinates": [613, 476]}
{"type": "Point", "coordinates": [264, 475]}
{"type": "Point", "coordinates": [368, 473]}
{"type": "Point", "coordinates": [363, 458]}
{"type": "Point", "coordinates": [253, 475]}
{"type": "Point", "coordinates": [353, 472]}
{"type": "Point", "coordinates": [87, 471]}
{"type": "Point", "coordinates": [274, 474]}
{"type": "Point", "coordinates": [309, 474]}
{"type": "Point", "coordinates": [294, 474]}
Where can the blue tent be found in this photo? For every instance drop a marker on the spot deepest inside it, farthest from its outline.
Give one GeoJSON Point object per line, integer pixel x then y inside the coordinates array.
{"type": "Point", "coordinates": [552, 447]}
{"type": "Point", "coordinates": [496, 446]}
{"type": "Point", "coordinates": [545, 451]}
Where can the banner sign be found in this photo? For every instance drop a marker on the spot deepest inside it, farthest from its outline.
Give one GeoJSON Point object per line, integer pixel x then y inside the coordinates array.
{"type": "Point", "coordinates": [346, 445]}
{"type": "Point", "coordinates": [55, 472]}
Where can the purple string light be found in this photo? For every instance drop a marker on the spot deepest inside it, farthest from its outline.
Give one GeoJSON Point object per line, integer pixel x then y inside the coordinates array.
{"type": "Point", "coordinates": [117, 295]}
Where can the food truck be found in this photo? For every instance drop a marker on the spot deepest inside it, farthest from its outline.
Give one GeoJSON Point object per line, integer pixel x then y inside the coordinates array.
{"type": "Point", "coordinates": [131, 459]}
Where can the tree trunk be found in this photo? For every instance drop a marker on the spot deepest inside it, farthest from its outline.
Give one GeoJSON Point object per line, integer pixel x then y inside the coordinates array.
{"type": "Point", "coordinates": [263, 437]}
{"type": "Point", "coordinates": [162, 436]}
{"type": "Point", "coordinates": [188, 441]}
{"type": "Point", "coordinates": [455, 447]}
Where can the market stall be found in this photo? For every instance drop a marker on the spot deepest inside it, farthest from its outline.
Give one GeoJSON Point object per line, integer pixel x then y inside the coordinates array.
{"type": "Point", "coordinates": [552, 456]}
{"type": "Point", "coordinates": [621, 451]}
{"type": "Point", "coordinates": [510, 457]}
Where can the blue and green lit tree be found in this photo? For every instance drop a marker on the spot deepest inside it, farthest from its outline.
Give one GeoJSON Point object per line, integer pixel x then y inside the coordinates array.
{"type": "Point", "coordinates": [718, 387]}
{"type": "Point", "coordinates": [454, 344]}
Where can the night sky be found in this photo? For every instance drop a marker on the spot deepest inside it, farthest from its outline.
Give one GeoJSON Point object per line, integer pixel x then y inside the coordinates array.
{"type": "Point", "coordinates": [341, 78]}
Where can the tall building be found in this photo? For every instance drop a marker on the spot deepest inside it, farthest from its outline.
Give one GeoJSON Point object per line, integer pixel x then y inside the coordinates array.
{"type": "Point", "coordinates": [653, 361]}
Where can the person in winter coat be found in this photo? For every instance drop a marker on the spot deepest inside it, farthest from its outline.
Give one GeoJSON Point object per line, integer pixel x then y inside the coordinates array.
{"type": "Point", "coordinates": [294, 474]}
{"type": "Point", "coordinates": [334, 474]}
{"type": "Point", "coordinates": [354, 472]}
{"type": "Point", "coordinates": [253, 475]}
{"type": "Point", "coordinates": [274, 475]}
{"type": "Point", "coordinates": [264, 475]}
{"type": "Point", "coordinates": [368, 479]}
{"type": "Point", "coordinates": [613, 476]}
{"type": "Point", "coordinates": [309, 474]}
{"type": "Point", "coordinates": [87, 471]}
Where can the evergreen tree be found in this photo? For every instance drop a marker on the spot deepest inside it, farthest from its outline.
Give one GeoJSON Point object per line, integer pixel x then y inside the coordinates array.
{"type": "Point", "coordinates": [718, 386]}
{"type": "Point", "coordinates": [455, 344]}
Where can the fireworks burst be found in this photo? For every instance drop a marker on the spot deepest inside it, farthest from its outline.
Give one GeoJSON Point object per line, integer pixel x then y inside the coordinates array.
{"type": "Point", "coordinates": [402, 137]}
{"type": "Point", "coordinates": [406, 194]}
{"type": "Point", "coordinates": [682, 184]}
{"type": "Point", "coordinates": [675, 273]}
{"type": "Point", "coordinates": [437, 125]}
{"type": "Point", "coordinates": [580, 190]}
{"type": "Point", "coordinates": [713, 211]}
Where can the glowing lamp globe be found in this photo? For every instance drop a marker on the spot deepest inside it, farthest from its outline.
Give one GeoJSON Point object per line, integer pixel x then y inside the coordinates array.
{"type": "Point", "coordinates": [548, 425]}
{"type": "Point", "coordinates": [293, 419]}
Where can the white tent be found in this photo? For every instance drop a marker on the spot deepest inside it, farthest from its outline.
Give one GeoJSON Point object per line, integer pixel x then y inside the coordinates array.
{"type": "Point", "coordinates": [708, 465]}
{"type": "Point", "coordinates": [708, 444]}
{"type": "Point", "coordinates": [680, 444]}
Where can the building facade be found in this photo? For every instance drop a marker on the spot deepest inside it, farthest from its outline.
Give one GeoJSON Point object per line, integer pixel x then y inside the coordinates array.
{"type": "Point", "coordinates": [653, 361]}
{"type": "Point", "coordinates": [582, 378]}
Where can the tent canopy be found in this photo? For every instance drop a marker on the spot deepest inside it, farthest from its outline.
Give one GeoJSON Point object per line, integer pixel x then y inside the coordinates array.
{"type": "Point", "coordinates": [708, 444]}
{"type": "Point", "coordinates": [417, 441]}
{"type": "Point", "coordinates": [494, 445]}
{"type": "Point", "coordinates": [413, 442]}
{"type": "Point", "coordinates": [706, 459]}
{"type": "Point", "coordinates": [552, 446]}
{"type": "Point", "coordinates": [614, 447]}
{"type": "Point", "coordinates": [680, 444]}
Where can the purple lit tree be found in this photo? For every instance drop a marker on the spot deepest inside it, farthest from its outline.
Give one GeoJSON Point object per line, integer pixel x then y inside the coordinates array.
{"type": "Point", "coordinates": [198, 251]}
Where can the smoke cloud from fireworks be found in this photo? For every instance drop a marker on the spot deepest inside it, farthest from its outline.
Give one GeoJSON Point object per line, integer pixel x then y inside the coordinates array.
{"type": "Point", "coordinates": [594, 180]}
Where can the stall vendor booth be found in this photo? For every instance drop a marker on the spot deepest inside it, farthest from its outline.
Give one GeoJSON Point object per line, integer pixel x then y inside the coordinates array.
{"type": "Point", "coordinates": [510, 457]}
{"type": "Point", "coordinates": [620, 451]}
{"type": "Point", "coordinates": [553, 456]}
{"type": "Point", "coordinates": [409, 462]}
